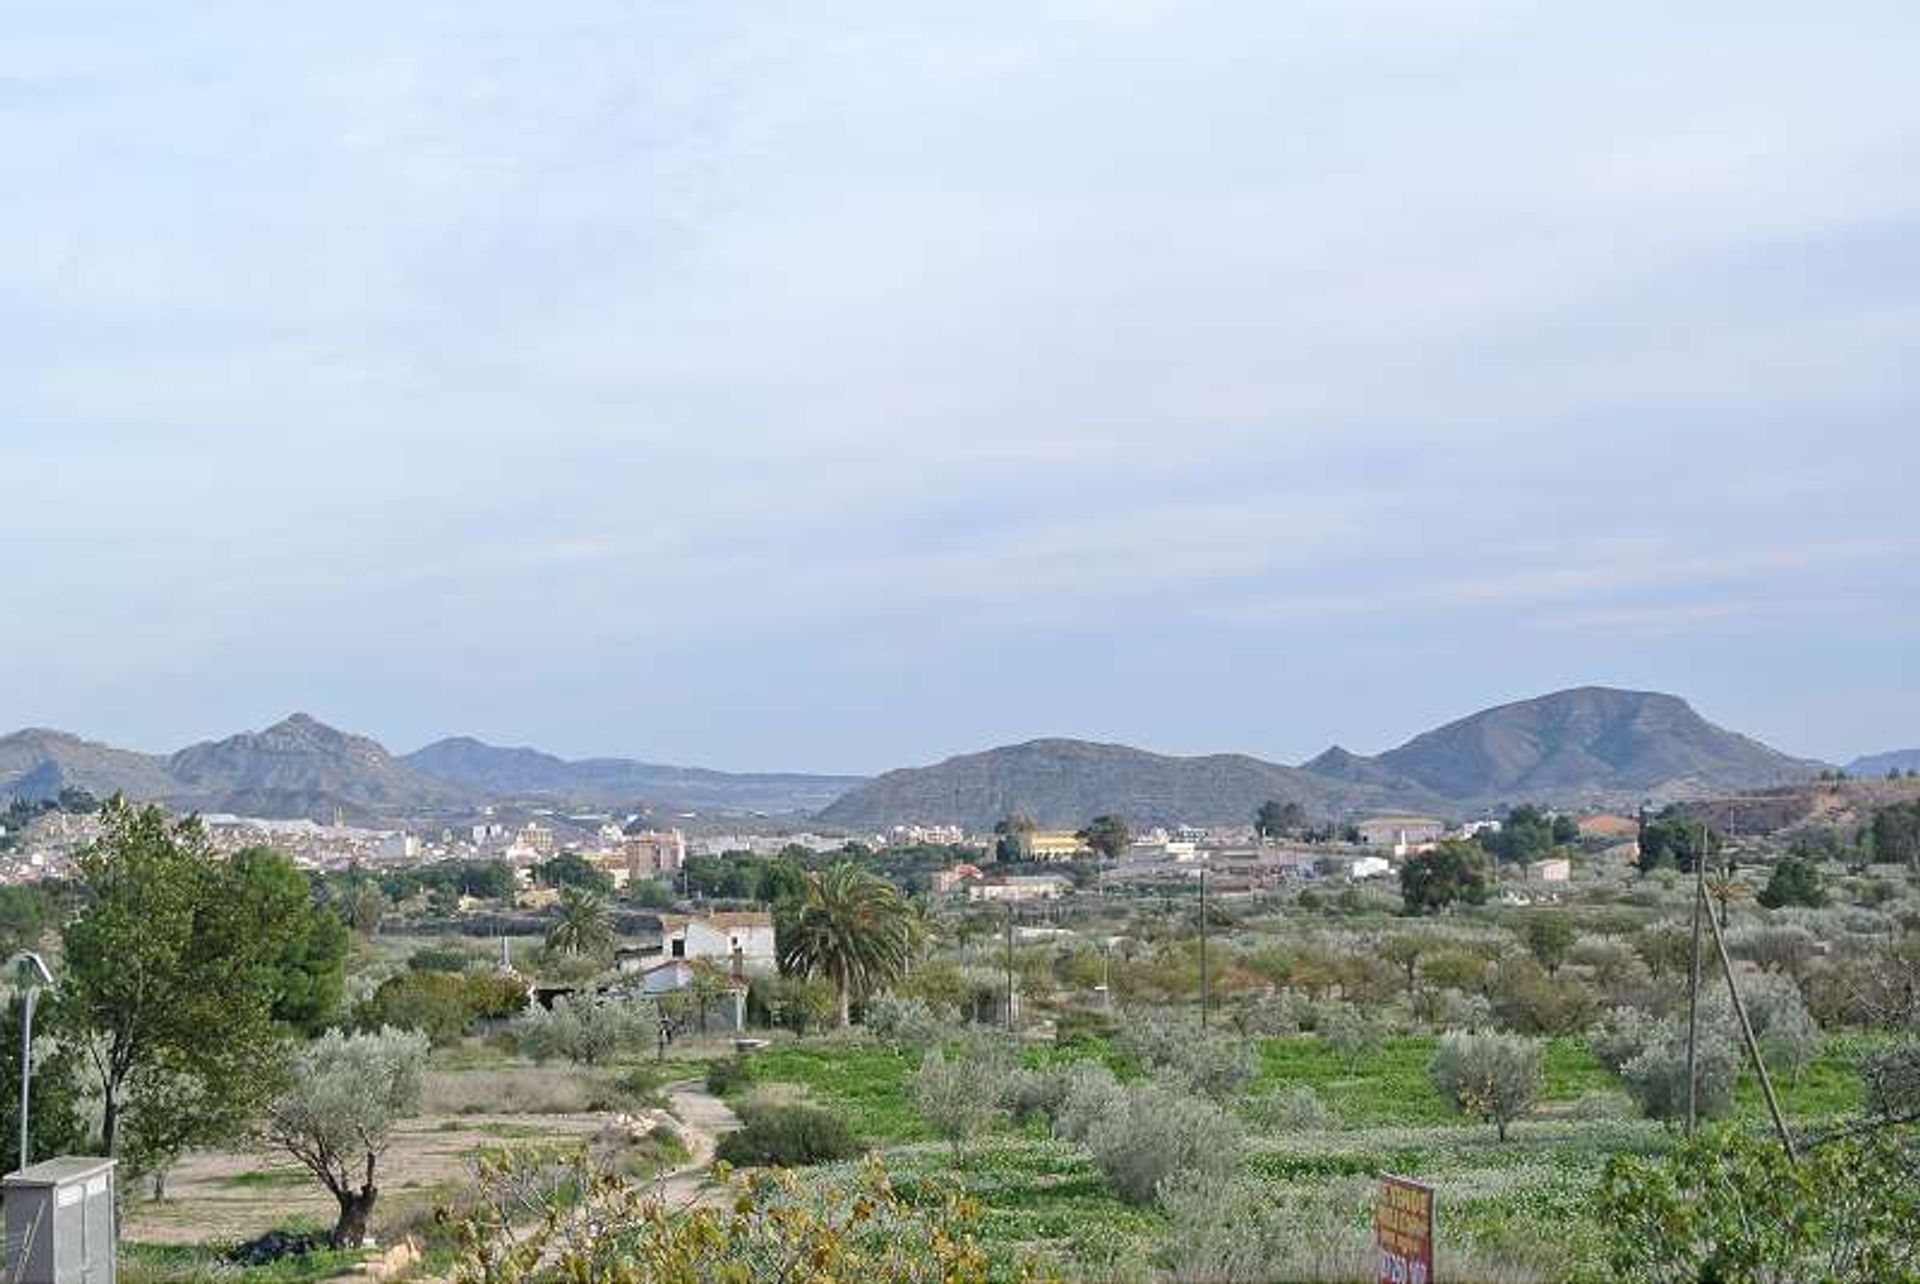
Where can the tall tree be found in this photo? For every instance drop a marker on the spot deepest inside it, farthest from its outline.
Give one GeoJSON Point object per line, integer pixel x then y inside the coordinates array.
{"type": "Point", "coordinates": [1015, 833]}
{"type": "Point", "coordinates": [171, 972]}
{"type": "Point", "coordinates": [1108, 835]}
{"type": "Point", "coordinates": [1453, 871]}
{"type": "Point", "coordinates": [1275, 819]}
{"type": "Point", "coordinates": [852, 928]}
{"type": "Point", "coordinates": [585, 925]}
{"type": "Point", "coordinates": [311, 969]}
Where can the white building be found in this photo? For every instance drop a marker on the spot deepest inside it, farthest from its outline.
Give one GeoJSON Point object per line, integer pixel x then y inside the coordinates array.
{"type": "Point", "coordinates": [741, 942]}
{"type": "Point", "coordinates": [1400, 834]}
{"type": "Point", "coordinates": [1020, 887]}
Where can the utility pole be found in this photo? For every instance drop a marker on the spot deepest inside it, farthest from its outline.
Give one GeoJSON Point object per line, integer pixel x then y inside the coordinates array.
{"type": "Point", "coordinates": [1009, 968]}
{"type": "Point", "coordinates": [1753, 1046]}
{"type": "Point", "coordinates": [33, 974]}
{"type": "Point", "coordinates": [1693, 981]}
{"type": "Point", "coordinates": [1203, 949]}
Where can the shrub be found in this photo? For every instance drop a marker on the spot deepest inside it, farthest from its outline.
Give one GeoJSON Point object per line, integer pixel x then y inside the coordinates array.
{"type": "Point", "coordinates": [1794, 881]}
{"type": "Point", "coordinates": [908, 1022]}
{"type": "Point", "coordinates": [1788, 1037]}
{"type": "Point", "coordinates": [1152, 1132]}
{"type": "Point", "coordinates": [1729, 1205]}
{"type": "Point", "coordinates": [1297, 1109]}
{"type": "Point", "coordinates": [1267, 1016]}
{"type": "Point", "coordinates": [1893, 1083]}
{"type": "Point", "coordinates": [800, 1004]}
{"type": "Point", "coordinates": [1488, 1076]}
{"type": "Point", "coordinates": [441, 1005]}
{"type": "Point", "coordinates": [1223, 1230]}
{"type": "Point", "coordinates": [958, 1096]}
{"type": "Point", "coordinates": [786, 1135]}
{"type": "Point", "coordinates": [1527, 1000]}
{"type": "Point", "coordinates": [1174, 1048]}
{"type": "Point", "coordinates": [1656, 1076]}
{"type": "Point", "coordinates": [1349, 1032]}
{"type": "Point", "coordinates": [1090, 1093]}
{"type": "Point", "coordinates": [585, 1030]}
{"type": "Point", "coordinates": [730, 1075]}
{"type": "Point", "coordinates": [1773, 947]}
{"type": "Point", "coordinates": [1454, 1010]}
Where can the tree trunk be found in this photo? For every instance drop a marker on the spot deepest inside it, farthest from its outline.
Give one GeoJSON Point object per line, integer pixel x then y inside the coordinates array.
{"type": "Point", "coordinates": [846, 1007]}
{"type": "Point", "coordinates": [1500, 1125]}
{"type": "Point", "coordinates": [110, 1123]}
{"type": "Point", "coordinates": [356, 1211]}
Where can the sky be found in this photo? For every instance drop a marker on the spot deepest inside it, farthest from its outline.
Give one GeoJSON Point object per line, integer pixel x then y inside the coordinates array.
{"type": "Point", "coordinates": [845, 385]}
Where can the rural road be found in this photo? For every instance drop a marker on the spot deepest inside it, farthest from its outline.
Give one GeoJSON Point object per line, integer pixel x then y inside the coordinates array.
{"type": "Point", "coordinates": [703, 1118]}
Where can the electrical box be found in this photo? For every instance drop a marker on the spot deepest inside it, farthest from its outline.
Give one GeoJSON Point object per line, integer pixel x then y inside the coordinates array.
{"type": "Point", "coordinates": [61, 1222]}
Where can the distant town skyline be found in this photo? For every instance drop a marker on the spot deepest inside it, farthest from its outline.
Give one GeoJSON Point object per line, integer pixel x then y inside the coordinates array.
{"type": "Point", "coordinates": [832, 391]}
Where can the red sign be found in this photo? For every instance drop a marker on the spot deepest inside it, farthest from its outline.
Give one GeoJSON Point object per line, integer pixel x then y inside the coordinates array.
{"type": "Point", "coordinates": [1403, 1231]}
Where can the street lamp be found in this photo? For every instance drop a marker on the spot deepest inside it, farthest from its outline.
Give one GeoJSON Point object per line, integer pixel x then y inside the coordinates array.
{"type": "Point", "coordinates": [32, 971]}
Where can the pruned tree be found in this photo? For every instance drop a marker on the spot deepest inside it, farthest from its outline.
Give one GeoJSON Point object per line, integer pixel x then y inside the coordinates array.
{"type": "Point", "coordinates": [1488, 1075]}
{"type": "Point", "coordinates": [337, 1115]}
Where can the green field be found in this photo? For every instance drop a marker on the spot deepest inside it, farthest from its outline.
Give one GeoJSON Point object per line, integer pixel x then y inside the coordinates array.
{"type": "Point", "coordinates": [1510, 1212]}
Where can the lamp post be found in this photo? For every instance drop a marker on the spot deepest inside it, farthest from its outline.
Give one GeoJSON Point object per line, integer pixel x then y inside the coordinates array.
{"type": "Point", "coordinates": [33, 974]}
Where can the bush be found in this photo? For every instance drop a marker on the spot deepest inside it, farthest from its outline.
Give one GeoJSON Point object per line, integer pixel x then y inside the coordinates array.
{"type": "Point", "coordinates": [1528, 1000]}
{"type": "Point", "coordinates": [1729, 1205]}
{"type": "Point", "coordinates": [1349, 1033]}
{"type": "Point", "coordinates": [1151, 1132]}
{"type": "Point", "coordinates": [958, 1096]}
{"type": "Point", "coordinates": [786, 1135]}
{"type": "Point", "coordinates": [1089, 1093]}
{"type": "Point", "coordinates": [1788, 1037]}
{"type": "Point", "coordinates": [908, 1022]}
{"type": "Point", "coordinates": [441, 1005]}
{"type": "Point", "coordinates": [1488, 1076]}
{"type": "Point", "coordinates": [800, 1004]}
{"type": "Point", "coordinates": [1794, 881]}
{"type": "Point", "coordinates": [1174, 1048]}
{"type": "Point", "coordinates": [1298, 1109]}
{"type": "Point", "coordinates": [586, 1031]}
{"type": "Point", "coordinates": [1656, 1075]}
{"type": "Point", "coordinates": [724, 1077]}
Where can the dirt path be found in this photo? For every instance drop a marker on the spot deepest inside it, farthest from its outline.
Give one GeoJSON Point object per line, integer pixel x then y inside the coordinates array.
{"type": "Point", "coordinates": [703, 1118]}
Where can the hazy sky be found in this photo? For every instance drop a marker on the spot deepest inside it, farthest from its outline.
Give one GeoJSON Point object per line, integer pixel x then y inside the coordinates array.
{"type": "Point", "coordinates": [836, 386]}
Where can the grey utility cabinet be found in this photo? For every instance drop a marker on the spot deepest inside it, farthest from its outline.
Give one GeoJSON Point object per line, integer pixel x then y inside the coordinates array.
{"type": "Point", "coordinates": [60, 1222]}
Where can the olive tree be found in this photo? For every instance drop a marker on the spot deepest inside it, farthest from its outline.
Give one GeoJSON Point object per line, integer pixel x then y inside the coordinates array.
{"type": "Point", "coordinates": [337, 1115]}
{"type": "Point", "coordinates": [585, 1030]}
{"type": "Point", "coordinates": [959, 1096]}
{"type": "Point", "coordinates": [1488, 1076]}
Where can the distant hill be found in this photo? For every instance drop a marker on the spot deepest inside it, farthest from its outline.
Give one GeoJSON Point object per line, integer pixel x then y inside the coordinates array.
{"type": "Point", "coordinates": [1594, 744]}
{"type": "Point", "coordinates": [1064, 783]}
{"type": "Point", "coordinates": [1590, 746]}
{"type": "Point", "coordinates": [524, 773]}
{"type": "Point", "coordinates": [302, 767]}
{"type": "Point", "coordinates": [36, 764]}
{"type": "Point", "coordinates": [1879, 764]}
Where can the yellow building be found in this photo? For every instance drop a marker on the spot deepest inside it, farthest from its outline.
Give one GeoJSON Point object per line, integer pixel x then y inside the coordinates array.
{"type": "Point", "coordinates": [1057, 844]}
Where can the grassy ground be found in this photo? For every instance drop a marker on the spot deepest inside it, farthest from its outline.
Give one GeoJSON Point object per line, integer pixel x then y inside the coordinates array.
{"type": "Point", "coordinates": [1514, 1212]}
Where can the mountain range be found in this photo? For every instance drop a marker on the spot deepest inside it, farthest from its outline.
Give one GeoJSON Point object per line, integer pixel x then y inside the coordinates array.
{"type": "Point", "coordinates": [1587, 747]}
{"type": "Point", "coordinates": [300, 767]}
{"type": "Point", "coordinates": [1879, 764]}
{"type": "Point", "coordinates": [1590, 746]}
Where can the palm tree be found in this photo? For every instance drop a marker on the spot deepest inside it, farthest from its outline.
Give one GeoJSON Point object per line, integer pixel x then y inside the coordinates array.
{"type": "Point", "coordinates": [852, 928]}
{"type": "Point", "coordinates": [584, 926]}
